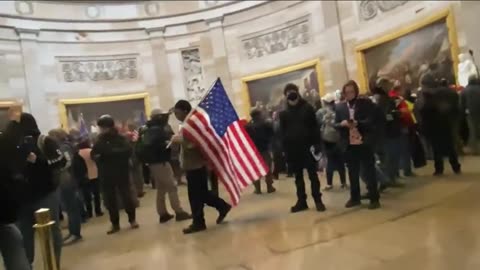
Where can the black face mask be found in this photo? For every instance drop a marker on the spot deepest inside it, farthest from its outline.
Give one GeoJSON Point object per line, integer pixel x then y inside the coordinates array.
{"type": "Point", "coordinates": [292, 96]}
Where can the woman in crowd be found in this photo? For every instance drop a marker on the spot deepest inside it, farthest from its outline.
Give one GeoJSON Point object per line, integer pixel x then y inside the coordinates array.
{"type": "Point", "coordinates": [354, 119]}
{"type": "Point", "coordinates": [331, 139]}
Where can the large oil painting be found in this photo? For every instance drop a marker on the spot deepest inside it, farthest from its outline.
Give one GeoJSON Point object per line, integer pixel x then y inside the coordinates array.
{"type": "Point", "coordinates": [82, 114]}
{"type": "Point", "coordinates": [406, 57]}
{"type": "Point", "coordinates": [265, 91]}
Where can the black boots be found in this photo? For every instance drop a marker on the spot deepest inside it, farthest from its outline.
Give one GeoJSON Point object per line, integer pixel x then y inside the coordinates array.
{"type": "Point", "coordinates": [299, 206]}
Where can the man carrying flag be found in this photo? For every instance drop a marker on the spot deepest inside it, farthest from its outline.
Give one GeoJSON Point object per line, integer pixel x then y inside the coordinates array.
{"type": "Point", "coordinates": [212, 132]}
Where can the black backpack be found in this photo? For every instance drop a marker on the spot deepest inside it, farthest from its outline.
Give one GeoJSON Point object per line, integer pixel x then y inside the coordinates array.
{"type": "Point", "coordinates": [152, 145]}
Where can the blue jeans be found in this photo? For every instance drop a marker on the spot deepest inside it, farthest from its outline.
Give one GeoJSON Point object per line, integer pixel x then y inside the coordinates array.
{"type": "Point", "coordinates": [12, 249]}
{"type": "Point", "coordinates": [26, 221]}
{"type": "Point", "coordinates": [72, 204]}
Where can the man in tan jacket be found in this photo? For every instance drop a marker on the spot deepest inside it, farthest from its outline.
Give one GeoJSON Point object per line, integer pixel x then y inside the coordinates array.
{"type": "Point", "coordinates": [194, 164]}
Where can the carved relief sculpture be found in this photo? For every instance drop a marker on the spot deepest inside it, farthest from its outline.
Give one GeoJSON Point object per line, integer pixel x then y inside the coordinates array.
{"type": "Point", "coordinates": [277, 40]}
{"type": "Point", "coordinates": [368, 9]}
{"type": "Point", "coordinates": [193, 75]}
{"type": "Point", "coordinates": [96, 68]}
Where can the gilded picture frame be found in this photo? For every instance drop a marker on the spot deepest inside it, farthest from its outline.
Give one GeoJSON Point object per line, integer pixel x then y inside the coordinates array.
{"type": "Point", "coordinates": [65, 103]}
{"type": "Point", "coordinates": [5, 106]}
{"type": "Point", "coordinates": [446, 15]}
{"type": "Point", "coordinates": [314, 65]}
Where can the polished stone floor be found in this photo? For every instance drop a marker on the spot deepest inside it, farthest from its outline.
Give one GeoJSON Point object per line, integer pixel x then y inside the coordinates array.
{"type": "Point", "coordinates": [431, 224]}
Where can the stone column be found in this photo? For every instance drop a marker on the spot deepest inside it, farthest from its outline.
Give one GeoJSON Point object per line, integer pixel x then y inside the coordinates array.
{"type": "Point", "coordinates": [468, 15]}
{"type": "Point", "coordinates": [335, 60]}
{"type": "Point", "coordinates": [219, 51]}
{"type": "Point", "coordinates": [163, 93]}
{"type": "Point", "coordinates": [35, 94]}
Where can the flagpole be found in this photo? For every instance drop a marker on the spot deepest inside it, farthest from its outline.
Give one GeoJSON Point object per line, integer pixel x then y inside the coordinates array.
{"type": "Point", "coordinates": [203, 98]}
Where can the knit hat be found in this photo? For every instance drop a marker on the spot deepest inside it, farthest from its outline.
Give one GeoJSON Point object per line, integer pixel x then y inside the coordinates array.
{"type": "Point", "coordinates": [106, 121]}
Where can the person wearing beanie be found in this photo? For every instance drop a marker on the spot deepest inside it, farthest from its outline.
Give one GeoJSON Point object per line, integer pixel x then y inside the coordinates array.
{"type": "Point", "coordinates": [112, 153]}
{"type": "Point", "coordinates": [157, 155]}
{"type": "Point", "coordinates": [12, 181]}
{"type": "Point", "coordinates": [300, 137]}
{"type": "Point", "coordinates": [439, 112]}
{"type": "Point", "coordinates": [44, 164]}
{"type": "Point", "coordinates": [261, 132]}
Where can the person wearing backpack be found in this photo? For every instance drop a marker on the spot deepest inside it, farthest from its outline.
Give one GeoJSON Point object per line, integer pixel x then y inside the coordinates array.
{"type": "Point", "coordinates": [12, 181]}
{"type": "Point", "coordinates": [157, 155]}
{"type": "Point", "coordinates": [330, 138]}
{"type": "Point", "coordinates": [69, 188]}
{"type": "Point", "coordinates": [42, 170]}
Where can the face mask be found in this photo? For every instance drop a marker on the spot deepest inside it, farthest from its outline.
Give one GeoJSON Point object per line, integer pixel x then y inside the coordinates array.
{"type": "Point", "coordinates": [292, 96]}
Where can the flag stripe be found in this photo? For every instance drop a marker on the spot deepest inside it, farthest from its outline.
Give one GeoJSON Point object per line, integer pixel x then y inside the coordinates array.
{"type": "Point", "coordinates": [206, 133]}
{"type": "Point", "coordinates": [241, 171]}
{"type": "Point", "coordinates": [232, 159]}
{"type": "Point", "coordinates": [195, 137]}
{"type": "Point", "coordinates": [254, 154]}
{"type": "Point", "coordinates": [242, 153]}
{"type": "Point", "coordinates": [214, 127]}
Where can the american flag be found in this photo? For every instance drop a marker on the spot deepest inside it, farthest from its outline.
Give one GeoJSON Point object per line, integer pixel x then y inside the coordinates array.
{"type": "Point", "coordinates": [215, 128]}
{"type": "Point", "coordinates": [83, 127]}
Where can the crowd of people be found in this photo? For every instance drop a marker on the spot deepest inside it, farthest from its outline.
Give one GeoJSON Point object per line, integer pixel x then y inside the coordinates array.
{"type": "Point", "coordinates": [365, 137]}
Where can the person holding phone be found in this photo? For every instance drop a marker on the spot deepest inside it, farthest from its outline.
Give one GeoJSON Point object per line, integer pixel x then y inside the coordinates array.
{"type": "Point", "coordinates": [355, 121]}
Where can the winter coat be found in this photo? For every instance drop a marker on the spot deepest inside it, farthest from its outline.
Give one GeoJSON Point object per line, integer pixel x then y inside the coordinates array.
{"type": "Point", "coordinates": [364, 115]}
{"type": "Point", "coordinates": [261, 133]}
{"type": "Point", "coordinates": [299, 132]}
{"type": "Point", "coordinates": [112, 153]}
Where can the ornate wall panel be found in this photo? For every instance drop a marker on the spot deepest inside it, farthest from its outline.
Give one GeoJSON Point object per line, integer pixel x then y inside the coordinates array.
{"type": "Point", "coordinates": [369, 9]}
{"type": "Point", "coordinates": [277, 39]}
{"type": "Point", "coordinates": [98, 68]}
{"type": "Point", "coordinates": [193, 74]}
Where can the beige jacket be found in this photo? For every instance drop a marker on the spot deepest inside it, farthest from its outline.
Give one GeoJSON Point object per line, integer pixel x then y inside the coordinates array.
{"type": "Point", "coordinates": [191, 158]}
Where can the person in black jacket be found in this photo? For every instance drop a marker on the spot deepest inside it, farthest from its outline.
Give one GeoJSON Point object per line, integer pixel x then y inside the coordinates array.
{"type": "Point", "coordinates": [42, 171]}
{"type": "Point", "coordinates": [11, 182]}
{"type": "Point", "coordinates": [300, 135]}
{"type": "Point", "coordinates": [261, 132]}
{"type": "Point", "coordinates": [440, 113]}
{"type": "Point", "coordinates": [355, 121]}
{"type": "Point", "coordinates": [156, 154]}
{"type": "Point", "coordinates": [112, 154]}
{"type": "Point", "coordinates": [391, 133]}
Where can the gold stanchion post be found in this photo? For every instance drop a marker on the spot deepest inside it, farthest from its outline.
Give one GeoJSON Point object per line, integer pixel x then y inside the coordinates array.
{"type": "Point", "coordinates": [44, 229]}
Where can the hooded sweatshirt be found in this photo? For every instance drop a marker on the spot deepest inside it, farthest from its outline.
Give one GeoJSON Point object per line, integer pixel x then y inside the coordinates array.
{"type": "Point", "coordinates": [43, 175]}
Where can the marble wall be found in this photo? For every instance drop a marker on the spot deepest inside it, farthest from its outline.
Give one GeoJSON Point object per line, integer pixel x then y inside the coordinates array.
{"type": "Point", "coordinates": [51, 51]}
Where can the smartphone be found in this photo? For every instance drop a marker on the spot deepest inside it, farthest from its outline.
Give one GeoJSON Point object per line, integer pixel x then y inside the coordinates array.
{"type": "Point", "coordinates": [28, 144]}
